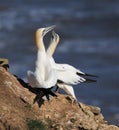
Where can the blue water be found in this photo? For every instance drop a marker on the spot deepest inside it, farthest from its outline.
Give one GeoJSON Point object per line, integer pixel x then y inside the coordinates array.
{"type": "Point", "coordinates": [89, 32]}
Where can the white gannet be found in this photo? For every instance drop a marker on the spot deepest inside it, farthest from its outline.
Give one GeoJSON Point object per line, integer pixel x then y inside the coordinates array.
{"type": "Point", "coordinates": [67, 74]}
{"type": "Point", "coordinates": [44, 75]}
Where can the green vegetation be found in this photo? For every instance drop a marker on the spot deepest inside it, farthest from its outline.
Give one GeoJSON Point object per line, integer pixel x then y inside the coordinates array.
{"type": "Point", "coordinates": [35, 125]}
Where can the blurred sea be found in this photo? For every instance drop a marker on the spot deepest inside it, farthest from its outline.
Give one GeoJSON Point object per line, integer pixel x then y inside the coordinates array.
{"type": "Point", "coordinates": [89, 32]}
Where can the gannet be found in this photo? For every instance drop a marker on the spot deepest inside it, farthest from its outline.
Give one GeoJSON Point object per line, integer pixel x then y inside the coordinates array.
{"type": "Point", "coordinates": [67, 74]}
{"type": "Point", "coordinates": [44, 75]}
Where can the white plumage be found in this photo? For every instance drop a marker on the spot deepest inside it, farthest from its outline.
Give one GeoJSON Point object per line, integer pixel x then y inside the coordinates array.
{"type": "Point", "coordinates": [48, 73]}
{"type": "Point", "coordinates": [67, 74]}
{"type": "Point", "coordinates": [44, 76]}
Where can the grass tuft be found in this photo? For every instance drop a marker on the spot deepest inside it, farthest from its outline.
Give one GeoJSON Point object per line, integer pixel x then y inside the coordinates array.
{"type": "Point", "coordinates": [35, 124]}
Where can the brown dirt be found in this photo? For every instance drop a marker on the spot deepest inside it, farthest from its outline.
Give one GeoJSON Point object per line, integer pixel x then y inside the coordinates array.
{"type": "Point", "coordinates": [16, 106]}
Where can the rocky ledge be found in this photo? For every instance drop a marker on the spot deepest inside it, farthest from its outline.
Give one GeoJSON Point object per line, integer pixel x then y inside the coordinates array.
{"type": "Point", "coordinates": [17, 111]}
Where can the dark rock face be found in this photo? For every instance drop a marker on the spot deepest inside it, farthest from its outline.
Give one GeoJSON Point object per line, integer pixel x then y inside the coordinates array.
{"type": "Point", "coordinates": [16, 106]}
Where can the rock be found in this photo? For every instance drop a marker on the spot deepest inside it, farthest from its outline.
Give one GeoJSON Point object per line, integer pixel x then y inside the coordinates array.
{"type": "Point", "coordinates": [4, 63]}
{"type": "Point", "coordinates": [16, 107]}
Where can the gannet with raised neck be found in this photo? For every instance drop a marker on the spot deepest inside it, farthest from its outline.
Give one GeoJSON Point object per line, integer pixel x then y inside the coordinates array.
{"type": "Point", "coordinates": [67, 74]}
{"type": "Point", "coordinates": [44, 75]}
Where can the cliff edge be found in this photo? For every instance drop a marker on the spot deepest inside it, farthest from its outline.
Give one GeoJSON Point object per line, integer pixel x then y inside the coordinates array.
{"type": "Point", "coordinates": [17, 111]}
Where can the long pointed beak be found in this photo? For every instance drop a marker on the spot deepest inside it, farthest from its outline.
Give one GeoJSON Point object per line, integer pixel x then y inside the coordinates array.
{"type": "Point", "coordinates": [53, 33]}
{"type": "Point", "coordinates": [52, 36]}
{"type": "Point", "coordinates": [55, 36]}
{"type": "Point", "coordinates": [47, 29]}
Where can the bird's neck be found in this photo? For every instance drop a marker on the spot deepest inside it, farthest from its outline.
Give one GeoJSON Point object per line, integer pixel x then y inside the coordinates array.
{"type": "Point", "coordinates": [41, 58]}
{"type": "Point", "coordinates": [51, 49]}
{"type": "Point", "coordinates": [40, 44]}
{"type": "Point", "coordinates": [40, 63]}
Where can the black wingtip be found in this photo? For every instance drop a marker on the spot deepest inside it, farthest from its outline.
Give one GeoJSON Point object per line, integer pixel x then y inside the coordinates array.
{"type": "Point", "coordinates": [92, 75]}
{"type": "Point", "coordinates": [85, 74]}
{"type": "Point", "coordinates": [90, 80]}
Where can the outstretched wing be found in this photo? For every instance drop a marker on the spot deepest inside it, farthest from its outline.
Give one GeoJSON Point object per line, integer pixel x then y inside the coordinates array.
{"type": "Point", "coordinates": [70, 75]}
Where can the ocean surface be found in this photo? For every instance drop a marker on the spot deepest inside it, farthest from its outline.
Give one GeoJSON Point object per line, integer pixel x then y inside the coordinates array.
{"type": "Point", "coordinates": [89, 33]}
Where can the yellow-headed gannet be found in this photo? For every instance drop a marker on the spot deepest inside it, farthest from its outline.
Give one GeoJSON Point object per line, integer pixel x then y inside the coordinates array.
{"type": "Point", "coordinates": [44, 76]}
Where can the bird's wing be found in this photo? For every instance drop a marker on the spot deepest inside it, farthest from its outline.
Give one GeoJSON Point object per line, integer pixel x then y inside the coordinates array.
{"type": "Point", "coordinates": [87, 77]}
{"type": "Point", "coordinates": [67, 74]}
{"type": "Point", "coordinates": [70, 75]}
{"type": "Point", "coordinates": [51, 75]}
{"type": "Point", "coordinates": [31, 78]}
{"type": "Point", "coordinates": [35, 81]}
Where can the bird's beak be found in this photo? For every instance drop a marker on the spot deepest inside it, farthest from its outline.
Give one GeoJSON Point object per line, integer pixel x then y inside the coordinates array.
{"type": "Point", "coordinates": [55, 36]}
{"type": "Point", "coordinates": [47, 29]}
{"type": "Point", "coordinates": [53, 33]}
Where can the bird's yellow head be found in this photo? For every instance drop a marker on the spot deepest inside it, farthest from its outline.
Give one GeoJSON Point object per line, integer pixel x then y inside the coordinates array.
{"type": "Point", "coordinates": [40, 33]}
